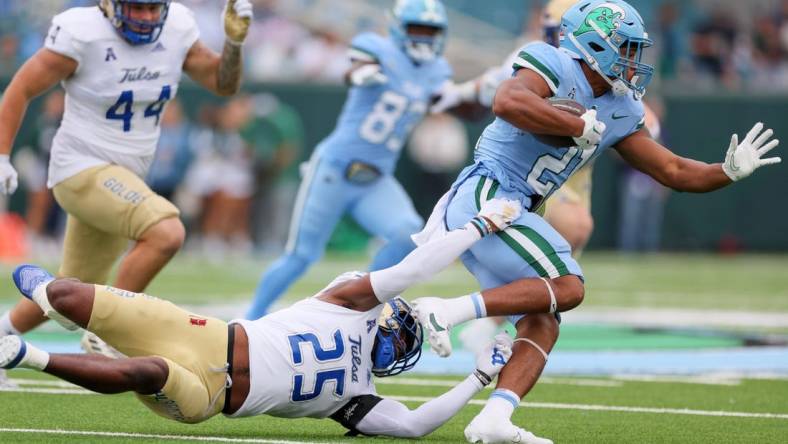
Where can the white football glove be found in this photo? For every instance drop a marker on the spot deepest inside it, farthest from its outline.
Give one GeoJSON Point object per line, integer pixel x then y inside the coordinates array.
{"type": "Point", "coordinates": [492, 358]}
{"type": "Point", "coordinates": [237, 17]}
{"type": "Point", "coordinates": [8, 176]}
{"type": "Point", "coordinates": [592, 132]}
{"type": "Point", "coordinates": [500, 213]}
{"type": "Point", "coordinates": [745, 157]}
{"type": "Point", "coordinates": [368, 75]}
{"type": "Point", "coordinates": [452, 94]}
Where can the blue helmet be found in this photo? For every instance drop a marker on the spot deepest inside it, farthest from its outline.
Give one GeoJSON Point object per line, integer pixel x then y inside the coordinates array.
{"type": "Point", "coordinates": [432, 13]}
{"type": "Point", "coordinates": [398, 340]}
{"type": "Point", "coordinates": [135, 32]}
{"type": "Point", "coordinates": [610, 36]}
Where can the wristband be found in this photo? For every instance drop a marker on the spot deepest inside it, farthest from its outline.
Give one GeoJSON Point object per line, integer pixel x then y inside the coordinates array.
{"type": "Point", "coordinates": [484, 378]}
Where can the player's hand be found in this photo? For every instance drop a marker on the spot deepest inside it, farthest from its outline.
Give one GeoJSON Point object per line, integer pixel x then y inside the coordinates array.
{"type": "Point", "coordinates": [492, 358]}
{"type": "Point", "coordinates": [592, 131]}
{"type": "Point", "coordinates": [452, 95]}
{"type": "Point", "coordinates": [368, 75]}
{"type": "Point", "coordinates": [499, 214]}
{"type": "Point", "coordinates": [237, 17]}
{"type": "Point", "coordinates": [8, 177]}
{"type": "Point", "coordinates": [745, 157]}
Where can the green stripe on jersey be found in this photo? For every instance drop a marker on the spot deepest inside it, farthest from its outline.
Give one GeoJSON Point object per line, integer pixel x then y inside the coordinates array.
{"type": "Point", "coordinates": [519, 249]}
{"type": "Point", "coordinates": [541, 67]}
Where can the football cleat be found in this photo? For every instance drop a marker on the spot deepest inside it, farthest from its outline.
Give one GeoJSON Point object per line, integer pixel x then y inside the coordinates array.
{"type": "Point", "coordinates": [490, 430]}
{"type": "Point", "coordinates": [12, 351]}
{"type": "Point", "coordinates": [28, 277]}
{"type": "Point", "coordinates": [428, 312]}
{"type": "Point", "coordinates": [93, 345]}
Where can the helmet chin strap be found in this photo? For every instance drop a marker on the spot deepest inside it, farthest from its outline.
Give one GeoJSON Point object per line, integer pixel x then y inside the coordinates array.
{"type": "Point", "coordinates": [618, 86]}
{"type": "Point", "coordinates": [420, 52]}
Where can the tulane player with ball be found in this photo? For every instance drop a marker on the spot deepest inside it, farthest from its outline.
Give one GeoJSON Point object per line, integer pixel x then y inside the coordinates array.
{"type": "Point", "coordinates": [392, 81]}
{"type": "Point", "coordinates": [598, 65]}
{"type": "Point", "coordinates": [119, 62]}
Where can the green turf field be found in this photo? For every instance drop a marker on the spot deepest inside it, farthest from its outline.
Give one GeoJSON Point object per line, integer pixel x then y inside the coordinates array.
{"type": "Point", "coordinates": [566, 410]}
{"type": "Point", "coordinates": [576, 409]}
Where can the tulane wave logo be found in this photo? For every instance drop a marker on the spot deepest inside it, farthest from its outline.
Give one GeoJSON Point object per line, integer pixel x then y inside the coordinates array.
{"type": "Point", "coordinates": [606, 18]}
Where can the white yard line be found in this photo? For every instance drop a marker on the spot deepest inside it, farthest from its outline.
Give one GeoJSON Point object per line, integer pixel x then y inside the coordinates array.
{"type": "Point", "coordinates": [152, 436]}
{"type": "Point", "coordinates": [543, 380]}
{"type": "Point", "coordinates": [538, 405]}
{"type": "Point", "coordinates": [615, 408]}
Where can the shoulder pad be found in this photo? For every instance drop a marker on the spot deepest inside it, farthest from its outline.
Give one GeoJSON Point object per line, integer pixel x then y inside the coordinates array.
{"type": "Point", "coordinates": [181, 17]}
{"type": "Point", "coordinates": [368, 47]}
{"type": "Point", "coordinates": [544, 59]}
{"type": "Point", "coordinates": [82, 23]}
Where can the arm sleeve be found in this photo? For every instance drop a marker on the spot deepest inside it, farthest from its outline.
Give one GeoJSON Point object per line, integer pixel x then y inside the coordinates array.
{"type": "Point", "coordinates": [60, 40]}
{"type": "Point", "coordinates": [392, 418]}
{"type": "Point", "coordinates": [543, 60]}
{"type": "Point", "coordinates": [423, 262]}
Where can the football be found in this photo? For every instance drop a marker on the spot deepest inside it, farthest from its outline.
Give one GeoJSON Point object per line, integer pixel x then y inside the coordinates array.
{"type": "Point", "coordinates": [566, 105]}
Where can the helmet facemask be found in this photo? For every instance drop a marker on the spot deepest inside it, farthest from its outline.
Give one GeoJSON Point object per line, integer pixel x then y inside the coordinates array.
{"type": "Point", "coordinates": [398, 341]}
{"type": "Point", "coordinates": [136, 32]}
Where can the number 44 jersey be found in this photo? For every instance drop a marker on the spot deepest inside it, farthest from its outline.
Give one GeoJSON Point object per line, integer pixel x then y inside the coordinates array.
{"type": "Point", "coordinates": [309, 359]}
{"type": "Point", "coordinates": [115, 99]}
{"type": "Point", "coordinates": [377, 119]}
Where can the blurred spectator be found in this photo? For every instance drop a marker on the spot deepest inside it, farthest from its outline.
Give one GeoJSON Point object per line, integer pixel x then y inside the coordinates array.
{"type": "Point", "coordinates": [642, 198]}
{"type": "Point", "coordinates": [174, 153]}
{"type": "Point", "coordinates": [275, 134]}
{"type": "Point", "coordinates": [223, 177]}
{"type": "Point", "coordinates": [713, 43]}
{"type": "Point", "coordinates": [42, 215]}
{"type": "Point", "coordinates": [669, 45]}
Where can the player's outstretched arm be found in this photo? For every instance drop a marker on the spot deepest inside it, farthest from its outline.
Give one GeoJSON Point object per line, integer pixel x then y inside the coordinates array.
{"type": "Point", "coordinates": [425, 261]}
{"type": "Point", "coordinates": [683, 174]}
{"type": "Point", "coordinates": [42, 71]}
{"type": "Point", "coordinates": [392, 418]}
{"type": "Point", "coordinates": [221, 74]}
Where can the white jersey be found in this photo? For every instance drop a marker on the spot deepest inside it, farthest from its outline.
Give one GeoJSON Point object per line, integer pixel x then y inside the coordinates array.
{"type": "Point", "coordinates": [309, 359]}
{"type": "Point", "coordinates": [115, 99]}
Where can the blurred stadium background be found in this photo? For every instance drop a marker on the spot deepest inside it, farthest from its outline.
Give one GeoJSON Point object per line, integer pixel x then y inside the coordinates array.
{"type": "Point", "coordinates": [678, 284]}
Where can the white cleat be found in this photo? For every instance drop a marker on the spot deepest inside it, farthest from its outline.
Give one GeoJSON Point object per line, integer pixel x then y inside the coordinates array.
{"type": "Point", "coordinates": [428, 312]}
{"type": "Point", "coordinates": [93, 345]}
{"type": "Point", "coordinates": [12, 351]}
{"type": "Point", "coordinates": [489, 430]}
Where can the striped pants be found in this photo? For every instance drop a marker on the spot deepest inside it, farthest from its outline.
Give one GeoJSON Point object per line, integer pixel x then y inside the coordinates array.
{"type": "Point", "coordinates": [530, 248]}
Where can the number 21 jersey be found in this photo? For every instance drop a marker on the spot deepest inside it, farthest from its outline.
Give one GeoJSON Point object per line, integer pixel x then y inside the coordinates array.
{"type": "Point", "coordinates": [116, 96]}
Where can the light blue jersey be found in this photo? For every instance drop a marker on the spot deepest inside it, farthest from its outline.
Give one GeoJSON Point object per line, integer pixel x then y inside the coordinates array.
{"type": "Point", "coordinates": [519, 160]}
{"type": "Point", "coordinates": [377, 120]}
{"type": "Point", "coordinates": [352, 170]}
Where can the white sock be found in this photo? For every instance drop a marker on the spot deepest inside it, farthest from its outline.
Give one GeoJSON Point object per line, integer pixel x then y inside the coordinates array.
{"type": "Point", "coordinates": [501, 404]}
{"type": "Point", "coordinates": [35, 358]}
{"type": "Point", "coordinates": [6, 327]}
{"type": "Point", "coordinates": [40, 297]}
{"type": "Point", "coordinates": [465, 308]}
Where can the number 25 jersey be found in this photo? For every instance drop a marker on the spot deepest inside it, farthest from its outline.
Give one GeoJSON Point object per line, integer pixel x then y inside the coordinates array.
{"type": "Point", "coordinates": [309, 359]}
{"type": "Point", "coordinates": [116, 96]}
